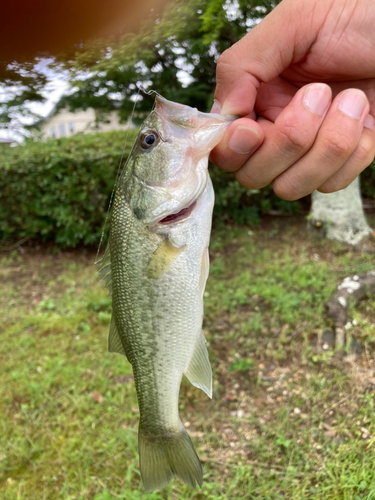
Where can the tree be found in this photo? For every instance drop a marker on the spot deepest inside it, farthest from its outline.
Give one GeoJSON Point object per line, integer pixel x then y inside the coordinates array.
{"type": "Point", "coordinates": [185, 41]}
{"type": "Point", "coordinates": [31, 32]}
{"type": "Point", "coordinates": [20, 84]}
{"type": "Point", "coordinates": [340, 214]}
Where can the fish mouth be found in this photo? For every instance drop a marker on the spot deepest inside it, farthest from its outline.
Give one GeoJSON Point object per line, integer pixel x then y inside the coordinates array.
{"type": "Point", "coordinates": [176, 209]}
{"type": "Point", "coordinates": [179, 216]}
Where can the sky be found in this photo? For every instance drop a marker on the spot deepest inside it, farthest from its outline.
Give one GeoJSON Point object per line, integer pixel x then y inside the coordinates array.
{"type": "Point", "coordinates": [54, 90]}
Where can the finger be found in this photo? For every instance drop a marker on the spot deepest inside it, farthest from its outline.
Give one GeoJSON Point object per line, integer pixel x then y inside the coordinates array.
{"type": "Point", "coordinates": [337, 139]}
{"type": "Point", "coordinates": [289, 138]}
{"type": "Point", "coordinates": [261, 57]}
{"type": "Point", "coordinates": [242, 138]}
{"type": "Point", "coordinates": [357, 162]}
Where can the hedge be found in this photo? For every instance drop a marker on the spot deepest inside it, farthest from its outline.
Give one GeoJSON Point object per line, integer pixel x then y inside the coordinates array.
{"type": "Point", "coordinates": [59, 190]}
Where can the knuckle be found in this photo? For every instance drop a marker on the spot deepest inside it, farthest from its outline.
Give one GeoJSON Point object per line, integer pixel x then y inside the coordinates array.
{"type": "Point", "coordinates": [337, 146]}
{"type": "Point", "coordinates": [244, 177]}
{"type": "Point", "coordinates": [219, 158]}
{"type": "Point", "coordinates": [293, 138]}
{"type": "Point", "coordinates": [365, 151]}
{"type": "Point", "coordinates": [284, 188]}
{"type": "Point", "coordinates": [334, 184]}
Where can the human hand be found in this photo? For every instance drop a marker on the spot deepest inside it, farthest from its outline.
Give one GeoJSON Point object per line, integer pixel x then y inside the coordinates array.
{"type": "Point", "coordinates": [295, 133]}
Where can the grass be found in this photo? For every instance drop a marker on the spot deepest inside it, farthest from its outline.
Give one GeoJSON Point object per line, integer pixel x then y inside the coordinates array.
{"type": "Point", "coordinates": [288, 420]}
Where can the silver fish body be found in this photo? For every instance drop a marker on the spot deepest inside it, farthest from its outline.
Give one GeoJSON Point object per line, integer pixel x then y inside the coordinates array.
{"type": "Point", "coordinates": [156, 267]}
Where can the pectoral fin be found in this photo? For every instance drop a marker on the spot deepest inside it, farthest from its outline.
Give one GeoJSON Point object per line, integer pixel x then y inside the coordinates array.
{"type": "Point", "coordinates": [205, 267]}
{"type": "Point", "coordinates": [114, 340]}
{"type": "Point", "coordinates": [162, 259]}
{"type": "Point", "coordinates": [199, 370]}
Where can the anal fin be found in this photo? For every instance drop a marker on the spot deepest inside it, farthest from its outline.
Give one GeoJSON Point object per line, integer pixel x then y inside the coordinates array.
{"type": "Point", "coordinates": [199, 370]}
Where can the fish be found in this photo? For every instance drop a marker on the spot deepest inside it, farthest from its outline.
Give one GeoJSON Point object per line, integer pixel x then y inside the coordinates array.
{"type": "Point", "coordinates": [155, 267]}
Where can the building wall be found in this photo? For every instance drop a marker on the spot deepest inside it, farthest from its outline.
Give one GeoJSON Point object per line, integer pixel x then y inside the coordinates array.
{"type": "Point", "coordinates": [66, 123]}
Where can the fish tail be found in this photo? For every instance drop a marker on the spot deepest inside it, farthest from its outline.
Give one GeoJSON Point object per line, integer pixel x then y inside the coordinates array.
{"type": "Point", "coordinates": [162, 458]}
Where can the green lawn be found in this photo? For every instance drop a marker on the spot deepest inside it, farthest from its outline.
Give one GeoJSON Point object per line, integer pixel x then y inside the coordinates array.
{"type": "Point", "coordinates": [288, 420]}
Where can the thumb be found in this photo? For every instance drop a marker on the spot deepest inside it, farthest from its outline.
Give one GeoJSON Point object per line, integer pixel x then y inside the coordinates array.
{"type": "Point", "coordinates": [282, 38]}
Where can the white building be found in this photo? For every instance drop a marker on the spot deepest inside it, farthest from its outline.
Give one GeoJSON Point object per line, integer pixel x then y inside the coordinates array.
{"type": "Point", "coordinates": [65, 123]}
{"type": "Point", "coordinates": [8, 141]}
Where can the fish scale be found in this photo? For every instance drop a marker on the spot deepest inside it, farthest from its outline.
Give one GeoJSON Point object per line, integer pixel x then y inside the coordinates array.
{"type": "Point", "coordinates": [156, 266]}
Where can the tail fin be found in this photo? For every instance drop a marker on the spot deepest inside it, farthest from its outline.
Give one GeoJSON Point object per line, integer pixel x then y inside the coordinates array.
{"type": "Point", "coordinates": [165, 457]}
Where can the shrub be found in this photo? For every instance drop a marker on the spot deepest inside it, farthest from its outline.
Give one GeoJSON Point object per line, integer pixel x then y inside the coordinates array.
{"type": "Point", "coordinates": [237, 204]}
{"type": "Point", "coordinates": [59, 189]}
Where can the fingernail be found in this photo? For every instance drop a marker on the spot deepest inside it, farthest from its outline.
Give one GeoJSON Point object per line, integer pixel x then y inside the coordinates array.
{"type": "Point", "coordinates": [369, 122]}
{"type": "Point", "coordinates": [352, 102]}
{"type": "Point", "coordinates": [317, 98]}
{"type": "Point", "coordinates": [216, 107]}
{"type": "Point", "coordinates": [244, 139]}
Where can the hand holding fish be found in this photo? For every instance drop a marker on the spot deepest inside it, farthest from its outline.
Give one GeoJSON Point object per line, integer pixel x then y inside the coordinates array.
{"type": "Point", "coordinates": [296, 133]}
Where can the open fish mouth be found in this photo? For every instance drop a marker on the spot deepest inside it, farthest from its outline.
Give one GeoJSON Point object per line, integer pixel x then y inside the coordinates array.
{"type": "Point", "coordinates": [179, 216]}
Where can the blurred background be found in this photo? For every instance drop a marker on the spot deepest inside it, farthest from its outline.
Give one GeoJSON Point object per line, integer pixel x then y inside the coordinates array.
{"type": "Point", "coordinates": [292, 349]}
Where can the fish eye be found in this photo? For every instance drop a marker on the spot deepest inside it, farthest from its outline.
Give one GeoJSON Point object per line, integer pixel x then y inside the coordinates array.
{"type": "Point", "coordinates": [149, 139]}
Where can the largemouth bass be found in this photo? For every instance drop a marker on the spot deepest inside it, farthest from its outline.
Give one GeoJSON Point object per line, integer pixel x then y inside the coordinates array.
{"type": "Point", "coordinates": [155, 268]}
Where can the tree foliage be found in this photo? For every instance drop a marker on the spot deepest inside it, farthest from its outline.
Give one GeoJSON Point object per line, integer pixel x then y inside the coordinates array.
{"type": "Point", "coordinates": [20, 84]}
{"type": "Point", "coordinates": [174, 54]}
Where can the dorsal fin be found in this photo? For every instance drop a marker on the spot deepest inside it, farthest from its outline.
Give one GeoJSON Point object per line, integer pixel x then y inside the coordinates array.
{"type": "Point", "coordinates": [105, 270]}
